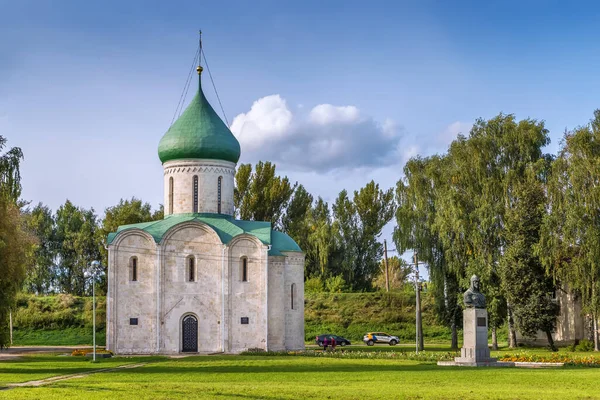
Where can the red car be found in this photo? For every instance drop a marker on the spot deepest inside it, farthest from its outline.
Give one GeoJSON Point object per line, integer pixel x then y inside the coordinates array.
{"type": "Point", "coordinates": [339, 341]}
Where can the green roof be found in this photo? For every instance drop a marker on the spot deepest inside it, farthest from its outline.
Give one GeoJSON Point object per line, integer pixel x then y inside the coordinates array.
{"type": "Point", "coordinates": [224, 225]}
{"type": "Point", "coordinates": [199, 133]}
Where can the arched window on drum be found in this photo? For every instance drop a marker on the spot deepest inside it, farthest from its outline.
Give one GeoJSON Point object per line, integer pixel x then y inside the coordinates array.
{"type": "Point", "coordinates": [170, 195]}
{"type": "Point", "coordinates": [195, 193]}
{"type": "Point", "coordinates": [220, 181]}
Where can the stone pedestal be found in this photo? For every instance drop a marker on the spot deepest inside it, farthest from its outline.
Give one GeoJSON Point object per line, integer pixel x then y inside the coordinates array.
{"type": "Point", "coordinates": [475, 351]}
{"type": "Point", "coordinates": [475, 337]}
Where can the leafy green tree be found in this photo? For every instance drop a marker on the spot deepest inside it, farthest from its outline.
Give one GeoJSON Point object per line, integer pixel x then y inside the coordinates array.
{"type": "Point", "coordinates": [322, 242]}
{"type": "Point", "coordinates": [297, 218]}
{"type": "Point", "coordinates": [77, 245]}
{"type": "Point", "coordinates": [335, 284]}
{"type": "Point", "coordinates": [358, 224]}
{"type": "Point", "coordinates": [313, 285]}
{"type": "Point", "coordinates": [398, 272]}
{"type": "Point", "coordinates": [126, 212]}
{"type": "Point", "coordinates": [159, 213]}
{"type": "Point", "coordinates": [16, 245]}
{"type": "Point", "coordinates": [525, 283]}
{"type": "Point", "coordinates": [10, 176]}
{"type": "Point", "coordinates": [310, 227]}
{"type": "Point", "coordinates": [41, 274]}
{"type": "Point", "coordinates": [570, 241]}
{"type": "Point", "coordinates": [261, 195]}
{"type": "Point", "coordinates": [483, 170]}
{"type": "Point", "coordinates": [15, 252]}
{"type": "Point", "coordinates": [419, 195]}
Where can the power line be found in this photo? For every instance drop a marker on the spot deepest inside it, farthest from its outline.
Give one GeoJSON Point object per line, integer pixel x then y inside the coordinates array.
{"type": "Point", "coordinates": [214, 86]}
{"type": "Point", "coordinates": [185, 87]}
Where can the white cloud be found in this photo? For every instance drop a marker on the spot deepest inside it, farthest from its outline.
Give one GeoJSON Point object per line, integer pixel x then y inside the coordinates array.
{"type": "Point", "coordinates": [325, 114]}
{"type": "Point", "coordinates": [268, 120]}
{"type": "Point", "coordinates": [326, 138]}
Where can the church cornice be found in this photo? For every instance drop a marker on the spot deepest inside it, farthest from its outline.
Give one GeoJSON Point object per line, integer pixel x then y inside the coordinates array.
{"type": "Point", "coordinates": [174, 169]}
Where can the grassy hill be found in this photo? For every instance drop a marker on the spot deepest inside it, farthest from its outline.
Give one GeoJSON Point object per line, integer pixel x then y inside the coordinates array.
{"type": "Point", "coordinates": [67, 320]}
{"type": "Point", "coordinates": [353, 314]}
{"type": "Point", "coordinates": [57, 320]}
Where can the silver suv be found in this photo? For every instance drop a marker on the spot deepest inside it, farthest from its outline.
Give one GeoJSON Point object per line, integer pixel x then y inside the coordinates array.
{"type": "Point", "coordinates": [380, 337]}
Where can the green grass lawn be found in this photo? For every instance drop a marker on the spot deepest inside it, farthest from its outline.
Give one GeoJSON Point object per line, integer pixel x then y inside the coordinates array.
{"type": "Point", "coordinates": [36, 367]}
{"type": "Point", "coordinates": [258, 377]}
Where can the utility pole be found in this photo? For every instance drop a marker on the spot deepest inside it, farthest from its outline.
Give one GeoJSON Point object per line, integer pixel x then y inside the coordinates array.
{"type": "Point", "coordinates": [418, 322]}
{"type": "Point", "coordinates": [387, 273]}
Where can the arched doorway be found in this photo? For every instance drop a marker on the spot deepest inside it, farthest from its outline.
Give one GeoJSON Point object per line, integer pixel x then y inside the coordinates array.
{"type": "Point", "coordinates": [189, 329]}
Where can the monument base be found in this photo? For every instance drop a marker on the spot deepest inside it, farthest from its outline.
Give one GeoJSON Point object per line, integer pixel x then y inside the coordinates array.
{"type": "Point", "coordinates": [475, 351]}
{"type": "Point", "coordinates": [493, 363]}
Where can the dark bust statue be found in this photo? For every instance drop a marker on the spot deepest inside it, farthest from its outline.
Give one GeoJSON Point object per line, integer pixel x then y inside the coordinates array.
{"type": "Point", "coordinates": [473, 297]}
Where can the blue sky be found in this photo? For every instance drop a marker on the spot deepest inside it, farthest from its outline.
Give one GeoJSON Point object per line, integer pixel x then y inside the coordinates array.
{"type": "Point", "coordinates": [88, 88]}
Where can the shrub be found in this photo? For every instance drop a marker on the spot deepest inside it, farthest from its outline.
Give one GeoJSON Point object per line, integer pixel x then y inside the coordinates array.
{"type": "Point", "coordinates": [313, 285]}
{"type": "Point", "coordinates": [57, 312]}
{"type": "Point", "coordinates": [335, 284]}
{"type": "Point", "coordinates": [65, 300]}
{"type": "Point", "coordinates": [585, 345]}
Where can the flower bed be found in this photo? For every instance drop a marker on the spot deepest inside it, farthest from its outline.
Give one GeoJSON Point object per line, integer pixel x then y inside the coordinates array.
{"type": "Point", "coordinates": [567, 359]}
{"type": "Point", "coordinates": [383, 355]}
{"type": "Point", "coordinates": [85, 352]}
{"type": "Point", "coordinates": [433, 357]}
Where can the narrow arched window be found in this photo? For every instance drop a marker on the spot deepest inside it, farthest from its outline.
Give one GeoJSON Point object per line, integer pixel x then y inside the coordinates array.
{"type": "Point", "coordinates": [133, 269]}
{"type": "Point", "coordinates": [244, 271]}
{"type": "Point", "coordinates": [219, 195]}
{"type": "Point", "coordinates": [293, 295]}
{"type": "Point", "coordinates": [191, 269]}
{"type": "Point", "coordinates": [171, 195]}
{"type": "Point", "coordinates": [195, 194]}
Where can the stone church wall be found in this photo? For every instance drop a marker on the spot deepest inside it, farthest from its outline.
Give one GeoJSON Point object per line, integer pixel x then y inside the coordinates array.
{"type": "Point", "coordinates": [294, 317]}
{"type": "Point", "coordinates": [208, 172]}
{"type": "Point", "coordinates": [202, 297]}
{"type": "Point", "coordinates": [277, 301]}
{"type": "Point", "coordinates": [129, 299]}
{"type": "Point", "coordinates": [218, 297]}
{"type": "Point", "coordinates": [247, 299]}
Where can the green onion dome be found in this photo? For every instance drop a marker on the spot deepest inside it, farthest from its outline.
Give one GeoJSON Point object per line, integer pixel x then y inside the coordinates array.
{"type": "Point", "coordinates": [199, 133]}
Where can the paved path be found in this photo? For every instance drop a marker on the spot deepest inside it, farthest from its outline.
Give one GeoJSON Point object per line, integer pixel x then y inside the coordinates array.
{"type": "Point", "coordinates": [54, 379]}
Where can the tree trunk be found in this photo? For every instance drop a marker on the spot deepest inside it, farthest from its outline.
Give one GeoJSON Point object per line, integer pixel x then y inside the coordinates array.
{"type": "Point", "coordinates": [512, 334]}
{"type": "Point", "coordinates": [454, 345]}
{"type": "Point", "coordinates": [595, 331]}
{"type": "Point", "coordinates": [494, 338]}
{"type": "Point", "coordinates": [387, 273]}
{"type": "Point", "coordinates": [551, 341]}
{"type": "Point", "coordinates": [10, 326]}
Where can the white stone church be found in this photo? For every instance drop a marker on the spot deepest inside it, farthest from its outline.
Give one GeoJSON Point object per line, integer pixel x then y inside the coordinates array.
{"type": "Point", "coordinates": [199, 280]}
